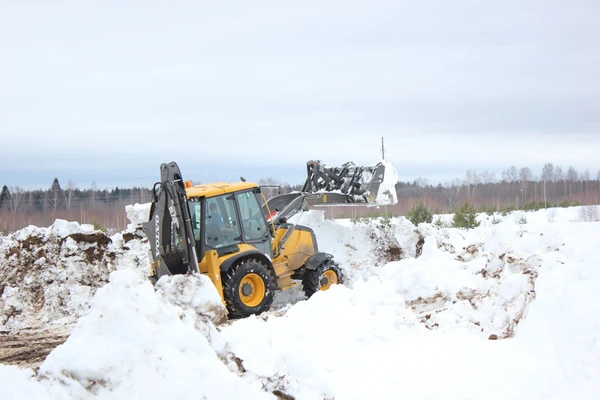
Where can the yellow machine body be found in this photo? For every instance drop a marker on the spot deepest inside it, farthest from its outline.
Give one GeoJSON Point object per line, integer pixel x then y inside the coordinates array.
{"type": "Point", "coordinates": [223, 230]}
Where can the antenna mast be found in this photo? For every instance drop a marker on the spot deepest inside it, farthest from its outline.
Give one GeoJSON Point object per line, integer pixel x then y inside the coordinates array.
{"type": "Point", "coordinates": [382, 149]}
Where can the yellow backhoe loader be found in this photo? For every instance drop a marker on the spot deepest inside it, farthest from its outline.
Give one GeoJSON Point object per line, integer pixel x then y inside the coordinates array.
{"type": "Point", "coordinates": [222, 230]}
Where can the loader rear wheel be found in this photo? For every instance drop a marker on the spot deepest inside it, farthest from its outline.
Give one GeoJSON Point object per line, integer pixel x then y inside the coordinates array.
{"type": "Point", "coordinates": [248, 289]}
{"type": "Point", "coordinates": [322, 278]}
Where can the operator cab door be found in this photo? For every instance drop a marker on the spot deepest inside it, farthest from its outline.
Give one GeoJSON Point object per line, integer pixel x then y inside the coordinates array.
{"type": "Point", "coordinates": [254, 226]}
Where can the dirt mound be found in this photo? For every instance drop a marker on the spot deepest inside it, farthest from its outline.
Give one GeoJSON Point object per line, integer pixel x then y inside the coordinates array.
{"type": "Point", "coordinates": [48, 276]}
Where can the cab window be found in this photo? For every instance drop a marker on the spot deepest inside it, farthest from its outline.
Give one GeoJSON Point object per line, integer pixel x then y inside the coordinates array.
{"type": "Point", "coordinates": [194, 206]}
{"type": "Point", "coordinates": [222, 225]}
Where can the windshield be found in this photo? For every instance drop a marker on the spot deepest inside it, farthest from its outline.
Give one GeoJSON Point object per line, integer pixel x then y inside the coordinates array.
{"type": "Point", "coordinates": [222, 225]}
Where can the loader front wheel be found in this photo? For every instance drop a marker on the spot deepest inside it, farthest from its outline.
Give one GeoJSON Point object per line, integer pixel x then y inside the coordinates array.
{"type": "Point", "coordinates": [322, 278]}
{"type": "Point", "coordinates": [248, 289]}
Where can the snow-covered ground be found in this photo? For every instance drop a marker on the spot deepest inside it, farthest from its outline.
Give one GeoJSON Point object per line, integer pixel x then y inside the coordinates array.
{"type": "Point", "coordinates": [508, 310]}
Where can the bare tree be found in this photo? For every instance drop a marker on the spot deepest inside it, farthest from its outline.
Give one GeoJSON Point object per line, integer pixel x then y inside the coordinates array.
{"type": "Point", "coordinates": [451, 192]}
{"type": "Point", "coordinates": [511, 175]}
{"type": "Point", "coordinates": [93, 194]}
{"type": "Point", "coordinates": [547, 174]}
{"type": "Point", "coordinates": [572, 176]}
{"type": "Point", "coordinates": [69, 194]}
{"type": "Point", "coordinates": [421, 183]}
{"type": "Point", "coordinates": [487, 177]}
{"type": "Point", "coordinates": [16, 199]}
{"type": "Point", "coordinates": [29, 202]}
{"type": "Point", "coordinates": [583, 182]}
{"type": "Point", "coordinates": [558, 177]}
{"type": "Point", "coordinates": [471, 181]}
{"type": "Point", "coordinates": [486, 180]}
{"type": "Point", "coordinates": [46, 201]}
{"type": "Point", "coordinates": [525, 176]}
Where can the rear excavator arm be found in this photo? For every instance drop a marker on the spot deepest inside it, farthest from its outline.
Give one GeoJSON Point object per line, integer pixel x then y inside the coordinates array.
{"type": "Point", "coordinates": [169, 228]}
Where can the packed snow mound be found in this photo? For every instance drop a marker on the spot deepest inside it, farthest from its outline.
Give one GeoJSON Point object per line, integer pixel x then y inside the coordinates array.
{"type": "Point", "coordinates": [137, 214]}
{"type": "Point", "coordinates": [195, 292]}
{"type": "Point", "coordinates": [49, 275]}
{"type": "Point", "coordinates": [481, 280]}
{"type": "Point", "coordinates": [439, 318]}
{"type": "Point", "coordinates": [485, 288]}
{"type": "Point", "coordinates": [490, 293]}
{"type": "Point", "coordinates": [357, 244]}
{"type": "Point", "coordinates": [162, 348]}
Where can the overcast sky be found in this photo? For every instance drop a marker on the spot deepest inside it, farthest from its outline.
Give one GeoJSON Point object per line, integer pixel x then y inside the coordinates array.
{"type": "Point", "coordinates": [105, 91]}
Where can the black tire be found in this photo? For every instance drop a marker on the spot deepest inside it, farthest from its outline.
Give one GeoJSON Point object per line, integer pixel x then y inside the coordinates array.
{"type": "Point", "coordinates": [321, 278]}
{"type": "Point", "coordinates": [248, 289]}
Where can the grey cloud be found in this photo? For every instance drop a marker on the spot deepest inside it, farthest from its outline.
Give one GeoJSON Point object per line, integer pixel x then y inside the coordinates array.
{"type": "Point", "coordinates": [277, 83]}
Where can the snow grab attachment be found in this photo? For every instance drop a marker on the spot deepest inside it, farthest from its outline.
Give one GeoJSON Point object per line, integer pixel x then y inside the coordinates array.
{"type": "Point", "coordinates": [356, 183]}
{"type": "Point", "coordinates": [349, 183]}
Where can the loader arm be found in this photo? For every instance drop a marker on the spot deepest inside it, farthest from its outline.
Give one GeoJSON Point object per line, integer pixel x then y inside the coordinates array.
{"type": "Point", "coordinates": [169, 228]}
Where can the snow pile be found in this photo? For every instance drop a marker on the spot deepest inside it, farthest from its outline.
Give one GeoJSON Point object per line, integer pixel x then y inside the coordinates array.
{"type": "Point", "coordinates": [20, 383]}
{"type": "Point", "coordinates": [419, 328]}
{"type": "Point", "coordinates": [363, 243]}
{"type": "Point", "coordinates": [136, 344]}
{"type": "Point", "coordinates": [137, 214]}
{"type": "Point", "coordinates": [507, 310]}
{"type": "Point", "coordinates": [49, 275]}
{"type": "Point", "coordinates": [488, 294]}
{"type": "Point", "coordinates": [195, 293]}
{"type": "Point", "coordinates": [482, 280]}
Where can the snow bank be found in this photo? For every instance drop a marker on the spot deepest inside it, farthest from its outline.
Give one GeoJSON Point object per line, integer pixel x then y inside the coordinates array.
{"type": "Point", "coordinates": [49, 275]}
{"type": "Point", "coordinates": [17, 383]}
{"type": "Point", "coordinates": [395, 329]}
{"type": "Point", "coordinates": [136, 344]}
{"type": "Point", "coordinates": [507, 310]}
{"type": "Point", "coordinates": [357, 245]}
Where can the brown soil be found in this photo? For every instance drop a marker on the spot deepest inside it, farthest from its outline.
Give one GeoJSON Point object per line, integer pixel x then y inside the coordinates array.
{"type": "Point", "coordinates": [28, 348]}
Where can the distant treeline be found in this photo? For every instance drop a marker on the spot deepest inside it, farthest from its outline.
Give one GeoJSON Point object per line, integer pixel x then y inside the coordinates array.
{"type": "Point", "coordinates": [103, 208]}
{"type": "Point", "coordinates": [514, 189]}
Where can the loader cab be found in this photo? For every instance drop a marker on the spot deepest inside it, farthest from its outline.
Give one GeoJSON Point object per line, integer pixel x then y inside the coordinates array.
{"type": "Point", "coordinates": [227, 217]}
